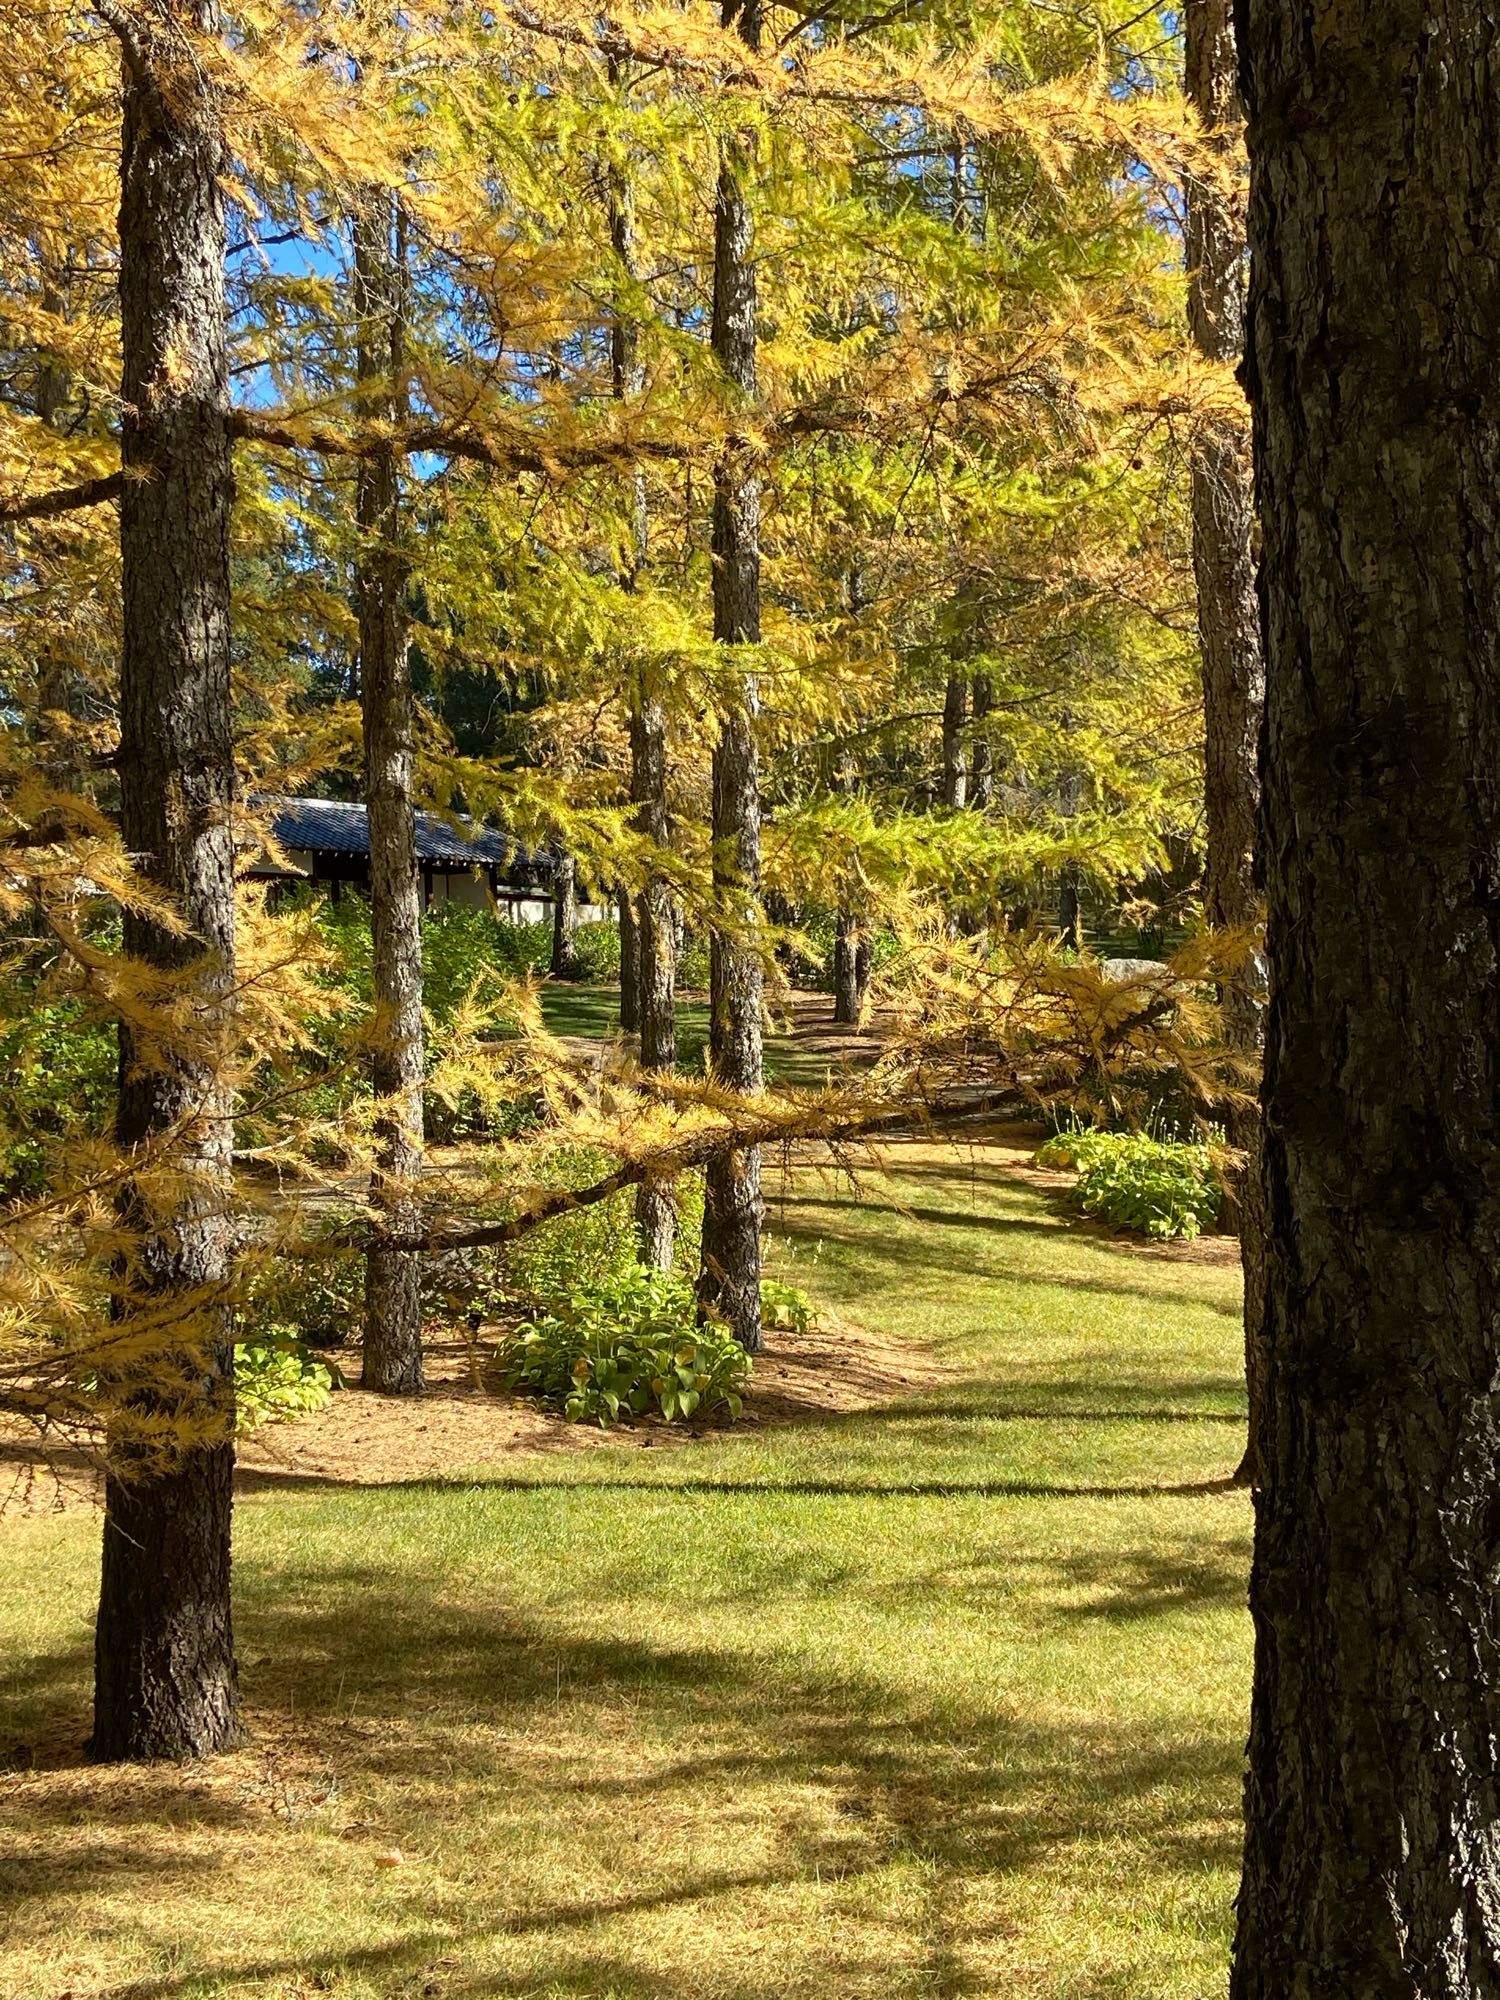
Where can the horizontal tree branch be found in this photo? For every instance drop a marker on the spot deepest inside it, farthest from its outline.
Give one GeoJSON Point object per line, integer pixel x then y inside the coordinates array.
{"type": "Point", "coordinates": [777, 1129]}
{"type": "Point", "coordinates": [64, 499]}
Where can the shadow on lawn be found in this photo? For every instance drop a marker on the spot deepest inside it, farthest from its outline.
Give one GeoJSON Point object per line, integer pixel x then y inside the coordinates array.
{"type": "Point", "coordinates": [251, 1479]}
{"type": "Point", "coordinates": [467, 1712]}
{"type": "Point", "coordinates": [905, 1254]}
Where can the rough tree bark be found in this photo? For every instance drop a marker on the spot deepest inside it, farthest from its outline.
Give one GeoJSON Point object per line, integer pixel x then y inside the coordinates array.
{"type": "Point", "coordinates": [981, 755]}
{"type": "Point", "coordinates": [729, 1278]}
{"type": "Point", "coordinates": [955, 721]}
{"type": "Point", "coordinates": [1373, 1799]}
{"type": "Point", "coordinates": [655, 967]}
{"type": "Point", "coordinates": [165, 1681]}
{"type": "Point", "coordinates": [655, 1207]}
{"type": "Point", "coordinates": [848, 932]}
{"type": "Point", "coordinates": [630, 962]}
{"type": "Point", "coordinates": [846, 993]}
{"type": "Point", "coordinates": [564, 917]}
{"type": "Point", "coordinates": [1228, 617]}
{"type": "Point", "coordinates": [393, 1284]}
{"type": "Point", "coordinates": [1069, 893]}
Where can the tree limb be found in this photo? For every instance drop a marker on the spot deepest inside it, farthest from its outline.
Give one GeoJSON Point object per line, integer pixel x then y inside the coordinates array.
{"type": "Point", "coordinates": [64, 499]}
{"type": "Point", "coordinates": [694, 1152]}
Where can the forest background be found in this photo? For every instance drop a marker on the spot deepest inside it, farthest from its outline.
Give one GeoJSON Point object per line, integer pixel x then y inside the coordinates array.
{"type": "Point", "coordinates": [760, 461]}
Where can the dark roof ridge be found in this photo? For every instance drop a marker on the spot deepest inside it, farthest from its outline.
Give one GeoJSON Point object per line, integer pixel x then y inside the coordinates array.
{"type": "Point", "coordinates": [340, 826]}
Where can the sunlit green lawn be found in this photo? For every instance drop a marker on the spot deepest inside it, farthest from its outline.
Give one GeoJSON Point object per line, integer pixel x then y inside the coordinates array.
{"type": "Point", "coordinates": [594, 1011]}
{"type": "Point", "coordinates": [942, 1699]}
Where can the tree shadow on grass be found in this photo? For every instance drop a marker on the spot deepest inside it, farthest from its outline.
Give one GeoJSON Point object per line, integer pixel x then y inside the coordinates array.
{"type": "Point", "coordinates": [903, 1256]}
{"type": "Point", "coordinates": [465, 1710]}
{"type": "Point", "coordinates": [819, 1489]}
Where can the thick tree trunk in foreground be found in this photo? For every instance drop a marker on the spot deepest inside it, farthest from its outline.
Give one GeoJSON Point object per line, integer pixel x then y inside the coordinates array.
{"type": "Point", "coordinates": [729, 1280]}
{"type": "Point", "coordinates": [1228, 619]}
{"type": "Point", "coordinates": [564, 917]}
{"type": "Point", "coordinates": [955, 721]}
{"type": "Point", "coordinates": [393, 1287]}
{"type": "Point", "coordinates": [165, 1682]}
{"type": "Point", "coordinates": [1372, 1850]}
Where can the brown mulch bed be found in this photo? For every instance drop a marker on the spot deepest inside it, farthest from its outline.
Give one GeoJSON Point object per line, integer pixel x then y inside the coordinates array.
{"type": "Point", "coordinates": [457, 1425]}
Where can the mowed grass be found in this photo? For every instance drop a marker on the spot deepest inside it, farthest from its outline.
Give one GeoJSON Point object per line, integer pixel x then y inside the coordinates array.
{"type": "Point", "coordinates": [941, 1699]}
{"type": "Point", "coordinates": [594, 1012]}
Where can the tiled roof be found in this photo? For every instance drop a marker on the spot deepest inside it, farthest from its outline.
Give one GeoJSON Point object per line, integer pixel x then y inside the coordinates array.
{"type": "Point", "coordinates": [331, 826]}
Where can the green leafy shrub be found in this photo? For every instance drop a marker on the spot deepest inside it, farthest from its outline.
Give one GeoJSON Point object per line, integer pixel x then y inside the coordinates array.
{"type": "Point", "coordinates": [596, 951]}
{"type": "Point", "coordinates": [60, 1069]}
{"type": "Point", "coordinates": [1069, 1152]}
{"type": "Point", "coordinates": [624, 1348]}
{"type": "Point", "coordinates": [460, 944]}
{"type": "Point", "coordinates": [276, 1380]}
{"type": "Point", "coordinates": [313, 1301]}
{"type": "Point", "coordinates": [785, 1307]}
{"type": "Point", "coordinates": [694, 964]}
{"type": "Point", "coordinates": [1158, 1187]}
{"type": "Point", "coordinates": [461, 947]}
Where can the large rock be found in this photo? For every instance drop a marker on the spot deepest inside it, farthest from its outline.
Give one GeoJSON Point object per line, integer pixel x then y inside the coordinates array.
{"type": "Point", "coordinates": [1118, 970]}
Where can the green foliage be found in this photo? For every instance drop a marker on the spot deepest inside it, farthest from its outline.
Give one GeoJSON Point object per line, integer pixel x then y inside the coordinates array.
{"type": "Point", "coordinates": [316, 1301]}
{"type": "Point", "coordinates": [276, 1380]}
{"type": "Point", "coordinates": [1070, 1151]}
{"type": "Point", "coordinates": [596, 951]}
{"type": "Point", "coordinates": [625, 1347]}
{"type": "Point", "coordinates": [60, 1070]}
{"type": "Point", "coordinates": [465, 951]}
{"type": "Point", "coordinates": [587, 1249]}
{"type": "Point", "coordinates": [460, 944]}
{"type": "Point", "coordinates": [693, 964]}
{"type": "Point", "coordinates": [785, 1306]}
{"type": "Point", "coordinates": [1159, 1187]}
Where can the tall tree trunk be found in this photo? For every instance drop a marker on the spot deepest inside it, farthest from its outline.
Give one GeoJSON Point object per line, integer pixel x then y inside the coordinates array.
{"type": "Point", "coordinates": [981, 755]}
{"type": "Point", "coordinates": [164, 1669]}
{"type": "Point", "coordinates": [955, 720]}
{"type": "Point", "coordinates": [848, 933]}
{"type": "Point", "coordinates": [1070, 881]}
{"type": "Point", "coordinates": [729, 1280]}
{"type": "Point", "coordinates": [847, 969]}
{"type": "Point", "coordinates": [1228, 619]}
{"type": "Point", "coordinates": [655, 930]}
{"type": "Point", "coordinates": [56, 672]}
{"type": "Point", "coordinates": [655, 1208]}
{"type": "Point", "coordinates": [630, 962]}
{"type": "Point", "coordinates": [1373, 1799]}
{"type": "Point", "coordinates": [393, 1289]}
{"type": "Point", "coordinates": [564, 917]}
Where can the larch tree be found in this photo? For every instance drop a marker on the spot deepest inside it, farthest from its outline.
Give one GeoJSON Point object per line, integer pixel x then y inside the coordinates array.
{"type": "Point", "coordinates": [954, 789]}
{"type": "Point", "coordinates": [393, 1279]}
{"type": "Point", "coordinates": [564, 960]}
{"type": "Point", "coordinates": [1228, 610]}
{"type": "Point", "coordinates": [1373, 1796]}
{"type": "Point", "coordinates": [650, 966]}
{"type": "Point", "coordinates": [729, 1279]}
{"type": "Point", "coordinates": [981, 750]}
{"type": "Point", "coordinates": [164, 1666]}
